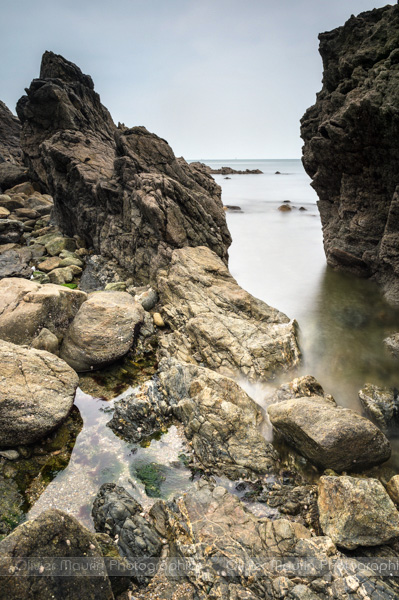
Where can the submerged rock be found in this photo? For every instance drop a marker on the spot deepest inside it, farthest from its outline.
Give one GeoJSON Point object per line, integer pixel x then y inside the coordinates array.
{"type": "Point", "coordinates": [26, 307]}
{"type": "Point", "coordinates": [103, 330]}
{"type": "Point", "coordinates": [354, 171]}
{"type": "Point", "coordinates": [330, 436]}
{"type": "Point", "coordinates": [356, 512]}
{"type": "Point", "coordinates": [121, 190]}
{"type": "Point", "coordinates": [381, 405]}
{"type": "Point", "coordinates": [53, 534]}
{"type": "Point", "coordinates": [37, 391]}
{"type": "Point", "coordinates": [218, 324]}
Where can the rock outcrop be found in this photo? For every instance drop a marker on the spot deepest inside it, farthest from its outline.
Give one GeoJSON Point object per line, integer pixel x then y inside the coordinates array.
{"type": "Point", "coordinates": [224, 170]}
{"type": "Point", "coordinates": [12, 170]}
{"type": "Point", "coordinates": [351, 149]}
{"type": "Point", "coordinates": [356, 512]}
{"type": "Point", "coordinates": [220, 325]}
{"type": "Point", "coordinates": [103, 330]}
{"type": "Point", "coordinates": [330, 436]}
{"type": "Point", "coordinates": [121, 190]}
{"type": "Point", "coordinates": [37, 391]}
{"type": "Point", "coordinates": [381, 406]}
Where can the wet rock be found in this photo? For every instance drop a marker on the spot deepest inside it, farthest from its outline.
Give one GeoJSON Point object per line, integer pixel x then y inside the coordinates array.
{"type": "Point", "coordinates": [147, 299]}
{"type": "Point", "coordinates": [37, 391]}
{"type": "Point", "coordinates": [299, 388]}
{"type": "Point", "coordinates": [26, 307]}
{"type": "Point", "coordinates": [53, 534]}
{"type": "Point", "coordinates": [381, 405]}
{"type": "Point", "coordinates": [45, 340]}
{"type": "Point", "coordinates": [224, 170]}
{"type": "Point", "coordinates": [392, 344]}
{"type": "Point", "coordinates": [118, 514]}
{"type": "Point", "coordinates": [103, 330]}
{"type": "Point", "coordinates": [330, 436]}
{"type": "Point", "coordinates": [9, 454]}
{"type": "Point", "coordinates": [141, 414]}
{"type": "Point", "coordinates": [220, 324]}
{"type": "Point", "coordinates": [220, 419]}
{"type": "Point", "coordinates": [15, 263]}
{"type": "Point", "coordinates": [355, 178]}
{"type": "Point", "coordinates": [127, 195]}
{"type": "Point", "coordinates": [393, 488]}
{"type": "Point", "coordinates": [356, 512]}
{"type": "Point", "coordinates": [10, 231]}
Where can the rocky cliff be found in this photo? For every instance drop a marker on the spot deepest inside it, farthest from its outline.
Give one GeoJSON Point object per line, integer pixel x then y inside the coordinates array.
{"type": "Point", "coordinates": [12, 171]}
{"type": "Point", "coordinates": [351, 146]}
{"type": "Point", "coordinates": [121, 190]}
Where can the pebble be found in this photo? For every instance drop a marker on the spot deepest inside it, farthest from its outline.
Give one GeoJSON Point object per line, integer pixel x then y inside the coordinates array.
{"type": "Point", "coordinates": [9, 454]}
{"type": "Point", "coordinates": [158, 320]}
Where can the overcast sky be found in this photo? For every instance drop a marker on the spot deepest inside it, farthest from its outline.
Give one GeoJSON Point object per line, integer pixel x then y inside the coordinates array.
{"type": "Point", "coordinates": [216, 78]}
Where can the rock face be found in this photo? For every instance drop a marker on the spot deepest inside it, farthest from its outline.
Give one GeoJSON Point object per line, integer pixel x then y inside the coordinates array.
{"type": "Point", "coordinates": [220, 324]}
{"type": "Point", "coordinates": [37, 391]}
{"type": "Point", "coordinates": [26, 307]}
{"type": "Point", "coordinates": [52, 534]}
{"type": "Point", "coordinates": [356, 512]}
{"type": "Point", "coordinates": [351, 150]}
{"type": "Point", "coordinates": [381, 405]}
{"type": "Point", "coordinates": [330, 436]}
{"type": "Point", "coordinates": [102, 331]}
{"type": "Point", "coordinates": [121, 190]}
{"type": "Point", "coordinates": [11, 170]}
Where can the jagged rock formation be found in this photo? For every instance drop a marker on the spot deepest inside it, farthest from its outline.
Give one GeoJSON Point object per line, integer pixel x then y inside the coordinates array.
{"type": "Point", "coordinates": [351, 150]}
{"type": "Point", "coordinates": [121, 190]}
{"type": "Point", "coordinates": [224, 170]}
{"type": "Point", "coordinates": [12, 171]}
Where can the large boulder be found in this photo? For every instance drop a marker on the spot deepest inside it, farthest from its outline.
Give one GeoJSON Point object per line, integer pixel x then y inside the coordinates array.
{"type": "Point", "coordinates": [356, 512]}
{"type": "Point", "coordinates": [103, 330]}
{"type": "Point", "coordinates": [381, 405]}
{"type": "Point", "coordinates": [351, 149]}
{"type": "Point", "coordinates": [58, 552]}
{"type": "Point", "coordinates": [219, 324]}
{"type": "Point", "coordinates": [330, 436]}
{"type": "Point", "coordinates": [121, 190]}
{"type": "Point", "coordinates": [37, 391]}
{"type": "Point", "coordinates": [15, 263]}
{"type": "Point", "coordinates": [26, 307]}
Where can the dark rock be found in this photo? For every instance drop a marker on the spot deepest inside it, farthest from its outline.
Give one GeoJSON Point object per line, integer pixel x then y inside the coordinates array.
{"type": "Point", "coordinates": [223, 170]}
{"type": "Point", "coordinates": [10, 231]}
{"type": "Point", "coordinates": [118, 514]}
{"type": "Point", "coordinates": [53, 534]}
{"type": "Point", "coordinates": [15, 263]}
{"type": "Point", "coordinates": [11, 175]}
{"type": "Point", "coordinates": [10, 131]}
{"type": "Point", "coordinates": [381, 406]}
{"type": "Point", "coordinates": [121, 190]}
{"type": "Point", "coordinates": [331, 437]}
{"type": "Point", "coordinates": [98, 272]}
{"type": "Point", "coordinates": [285, 208]}
{"type": "Point", "coordinates": [351, 150]}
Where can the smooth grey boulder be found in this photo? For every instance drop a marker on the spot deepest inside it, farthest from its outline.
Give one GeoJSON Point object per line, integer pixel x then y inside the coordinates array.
{"type": "Point", "coordinates": [356, 512]}
{"type": "Point", "coordinates": [37, 390]}
{"type": "Point", "coordinates": [103, 330]}
{"type": "Point", "coordinates": [330, 436]}
{"type": "Point", "coordinates": [218, 324]}
{"type": "Point", "coordinates": [52, 535]}
{"type": "Point", "coordinates": [15, 263]}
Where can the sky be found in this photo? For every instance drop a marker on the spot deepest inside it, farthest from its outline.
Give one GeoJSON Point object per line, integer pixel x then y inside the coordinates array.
{"type": "Point", "coordinates": [216, 78]}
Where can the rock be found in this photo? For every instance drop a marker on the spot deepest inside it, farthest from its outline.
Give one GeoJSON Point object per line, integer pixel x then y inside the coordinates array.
{"type": "Point", "coordinates": [61, 276]}
{"type": "Point", "coordinates": [302, 208]}
{"type": "Point", "coordinates": [26, 307]}
{"type": "Point", "coordinates": [223, 170]}
{"type": "Point", "coordinates": [37, 391]}
{"type": "Point", "coordinates": [393, 488]}
{"type": "Point", "coordinates": [392, 344]}
{"type": "Point", "coordinates": [215, 320]}
{"type": "Point", "coordinates": [121, 184]}
{"type": "Point", "coordinates": [10, 231]}
{"type": "Point", "coordinates": [99, 272]}
{"type": "Point", "coordinates": [148, 299]}
{"type": "Point", "coordinates": [356, 512]}
{"type": "Point", "coordinates": [103, 331]}
{"type": "Point", "coordinates": [58, 244]}
{"type": "Point", "coordinates": [15, 263]}
{"type": "Point", "coordinates": [28, 213]}
{"type": "Point", "coordinates": [53, 535]}
{"type": "Point", "coordinates": [45, 340]}
{"type": "Point", "coordinates": [117, 513]}
{"type": "Point", "coordinates": [11, 203]}
{"type": "Point", "coordinates": [381, 405]}
{"type": "Point", "coordinates": [10, 131]}
{"type": "Point", "coordinates": [4, 212]}
{"type": "Point", "coordinates": [72, 261]}
{"type": "Point", "coordinates": [49, 264]}
{"type": "Point", "coordinates": [299, 388]}
{"type": "Point", "coordinates": [158, 320]}
{"type": "Point", "coordinates": [119, 286]}
{"type": "Point", "coordinates": [11, 175]}
{"type": "Point", "coordinates": [354, 177]}
{"type": "Point", "coordinates": [285, 208]}
{"type": "Point", "coordinates": [329, 436]}
{"type": "Point", "coordinates": [220, 419]}
{"type": "Point", "coordinates": [9, 454]}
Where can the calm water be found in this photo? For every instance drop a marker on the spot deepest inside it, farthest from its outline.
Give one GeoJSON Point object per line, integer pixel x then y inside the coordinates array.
{"type": "Point", "coordinates": [279, 258]}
